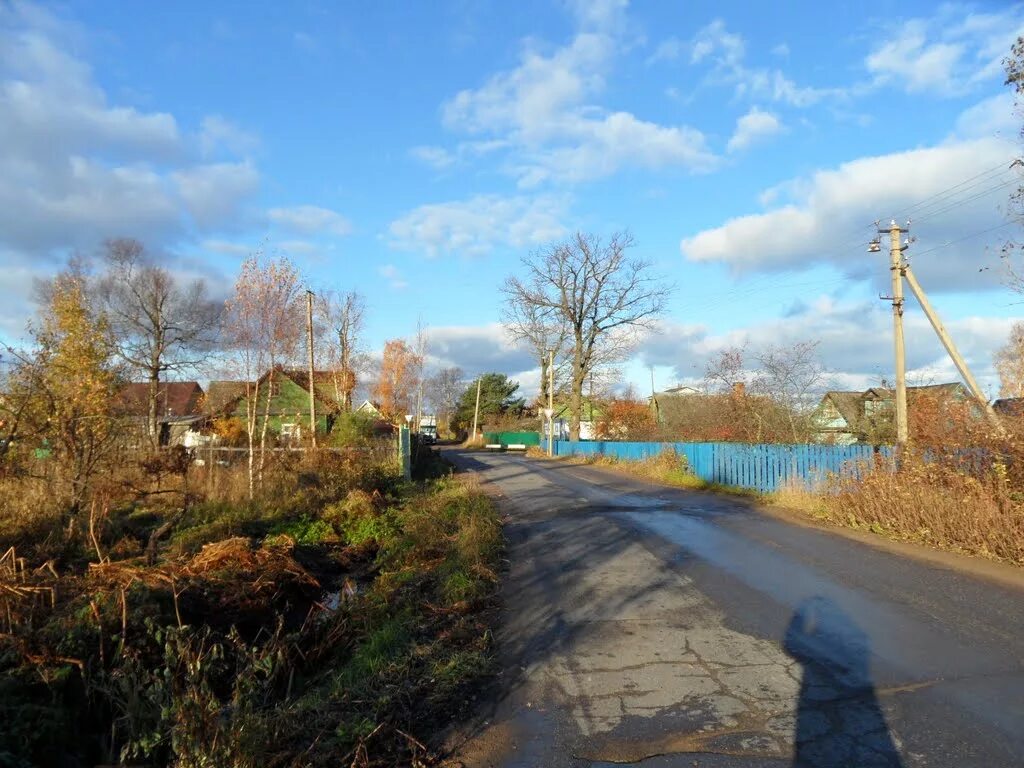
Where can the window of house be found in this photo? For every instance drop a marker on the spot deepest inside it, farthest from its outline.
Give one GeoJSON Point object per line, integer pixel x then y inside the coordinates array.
{"type": "Point", "coordinates": [291, 431]}
{"type": "Point", "coordinates": [877, 407]}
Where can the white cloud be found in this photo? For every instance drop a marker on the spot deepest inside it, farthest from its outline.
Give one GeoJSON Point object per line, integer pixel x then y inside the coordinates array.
{"type": "Point", "coordinates": [725, 52]}
{"type": "Point", "coordinates": [781, 50]}
{"type": "Point", "coordinates": [754, 127]}
{"type": "Point", "coordinates": [827, 218]}
{"type": "Point", "coordinates": [75, 169]}
{"type": "Point", "coordinates": [310, 220]}
{"type": "Point", "coordinates": [477, 226]}
{"type": "Point", "coordinates": [543, 112]}
{"type": "Point", "coordinates": [854, 343]}
{"type": "Point", "coordinates": [917, 66]}
{"type": "Point", "coordinates": [477, 349]}
{"type": "Point", "coordinates": [217, 133]}
{"type": "Point", "coordinates": [213, 193]}
{"type": "Point", "coordinates": [948, 53]}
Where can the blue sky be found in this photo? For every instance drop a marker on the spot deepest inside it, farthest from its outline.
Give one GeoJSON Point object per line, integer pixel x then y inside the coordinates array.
{"type": "Point", "coordinates": [415, 151]}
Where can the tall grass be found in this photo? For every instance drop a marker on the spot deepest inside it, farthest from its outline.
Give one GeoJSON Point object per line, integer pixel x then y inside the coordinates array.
{"type": "Point", "coordinates": [937, 501]}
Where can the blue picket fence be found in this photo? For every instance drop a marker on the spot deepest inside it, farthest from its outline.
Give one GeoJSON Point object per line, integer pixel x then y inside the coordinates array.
{"type": "Point", "coordinates": [763, 468]}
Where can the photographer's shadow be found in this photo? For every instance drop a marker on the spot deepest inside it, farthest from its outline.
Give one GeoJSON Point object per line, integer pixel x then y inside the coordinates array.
{"type": "Point", "coordinates": [839, 721]}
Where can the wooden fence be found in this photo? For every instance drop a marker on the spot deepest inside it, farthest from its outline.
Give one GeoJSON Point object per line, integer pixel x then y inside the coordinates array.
{"type": "Point", "coordinates": [763, 468]}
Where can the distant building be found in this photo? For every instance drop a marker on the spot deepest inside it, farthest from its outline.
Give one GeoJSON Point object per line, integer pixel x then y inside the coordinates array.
{"type": "Point", "coordinates": [848, 417]}
{"type": "Point", "coordinates": [178, 411]}
{"type": "Point", "coordinates": [370, 408]}
{"type": "Point", "coordinates": [287, 412]}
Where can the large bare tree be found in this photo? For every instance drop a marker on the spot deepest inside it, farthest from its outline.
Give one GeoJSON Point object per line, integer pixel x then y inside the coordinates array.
{"type": "Point", "coordinates": [159, 324]}
{"type": "Point", "coordinates": [598, 293]}
{"type": "Point", "coordinates": [344, 315]}
{"type": "Point", "coordinates": [542, 330]}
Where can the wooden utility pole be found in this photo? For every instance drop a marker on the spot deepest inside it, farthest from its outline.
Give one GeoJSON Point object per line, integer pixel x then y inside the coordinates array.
{"type": "Point", "coordinates": [309, 340]}
{"type": "Point", "coordinates": [476, 413]}
{"type": "Point", "coordinates": [896, 269]}
{"type": "Point", "coordinates": [551, 402]}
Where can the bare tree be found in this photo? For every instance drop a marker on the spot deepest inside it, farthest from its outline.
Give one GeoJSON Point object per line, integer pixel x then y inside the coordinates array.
{"type": "Point", "coordinates": [1009, 360]}
{"type": "Point", "coordinates": [542, 330]}
{"type": "Point", "coordinates": [600, 296]}
{"type": "Point", "coordinates": [791, 376]}
{"type": "Point", "coordinates": [726, 372]}
{"type": "Point", "coordinates": [766, 396]}
{"type": "Point", "coordinates": [345, 316]}
{"type": "Point", "coordinates": [443, 390]}
{"type": "Point", "coordinates": [264, 327]}
{"type": "Point", "coordinates": [420, 344]}
{"type": "Point", "coordinates": [158, 324]}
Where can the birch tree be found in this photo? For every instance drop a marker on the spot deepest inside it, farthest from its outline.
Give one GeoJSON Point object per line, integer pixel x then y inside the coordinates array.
{"type": "Point", "coordinates": [1009, 360]}
{"type": "Point", "coordinates": [601, 297]}
{"type": "Point", "coordinates": [396, 384]}
{"type": "Point", "coordinates": [344, 316]}
{"type": "Point", "coordinates": [264, 326]}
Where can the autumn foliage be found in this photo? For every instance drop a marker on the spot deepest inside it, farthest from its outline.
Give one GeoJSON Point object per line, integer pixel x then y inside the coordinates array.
{"type": "Point", "coordinates": [627, 418]}
{"type": "Point", "coordinates": [396, 385]}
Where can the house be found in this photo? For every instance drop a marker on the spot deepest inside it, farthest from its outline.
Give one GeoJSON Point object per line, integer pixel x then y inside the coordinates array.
{"type": "Point", "coordinates": [590, 413]}
{"type": "Point", "coordinates": [288, 393]}
{"type": "Point", "coordinates": [179, 410]}
{"type": "Point", "coordinates": [848, 417]}
{"type": "Point", "coordinates": [673, 407]}
{"type": "Point", "coordinates": [369, 408]}
{"type": "Point", "coordinates": [174, 398]}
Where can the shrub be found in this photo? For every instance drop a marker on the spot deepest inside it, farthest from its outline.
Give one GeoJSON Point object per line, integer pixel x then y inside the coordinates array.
{"type": "Point", "coordinates": [940, 501]}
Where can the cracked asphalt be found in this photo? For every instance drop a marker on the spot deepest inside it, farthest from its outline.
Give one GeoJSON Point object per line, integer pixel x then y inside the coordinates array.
{"type": "Point", "coordinates": [644, 625]}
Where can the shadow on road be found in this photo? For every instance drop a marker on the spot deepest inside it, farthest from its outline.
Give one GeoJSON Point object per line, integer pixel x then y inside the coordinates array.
{"type": "Point", "coordinates": [839, 720]}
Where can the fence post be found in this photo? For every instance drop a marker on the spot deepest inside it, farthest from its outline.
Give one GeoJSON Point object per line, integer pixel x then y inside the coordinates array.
{"type": "Point", "coordinates": [405, 452]}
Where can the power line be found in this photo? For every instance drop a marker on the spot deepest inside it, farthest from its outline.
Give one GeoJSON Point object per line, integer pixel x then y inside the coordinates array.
{"type": "Point", "coordinates": [979, 233]}
{"type": "Point", "coordinates": [957, 203]}
{"type": "Point", "coordinates": [977, 178]}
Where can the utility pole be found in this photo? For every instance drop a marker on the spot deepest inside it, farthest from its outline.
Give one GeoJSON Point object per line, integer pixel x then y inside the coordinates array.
{"type": "Point", "coordinates": [896, 266]}
{"type": "Point", "coordinates": [551, 402]}
{"type": "Point", "coordinates": [476, 413]}
{"type": "Point", "coordinates": [309, 339]}
{"type": "Point", "coordinates": [901, 269]}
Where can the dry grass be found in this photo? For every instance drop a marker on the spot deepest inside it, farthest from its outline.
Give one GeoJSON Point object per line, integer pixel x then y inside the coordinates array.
{"type": "Point", "coordinates": [27, 503]}
{"type": "Point", "coordinates": [935, 503]}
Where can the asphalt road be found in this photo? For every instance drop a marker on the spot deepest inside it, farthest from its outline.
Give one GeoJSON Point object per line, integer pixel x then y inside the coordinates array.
{"type": "Point", "coordinates": [661, 627]}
